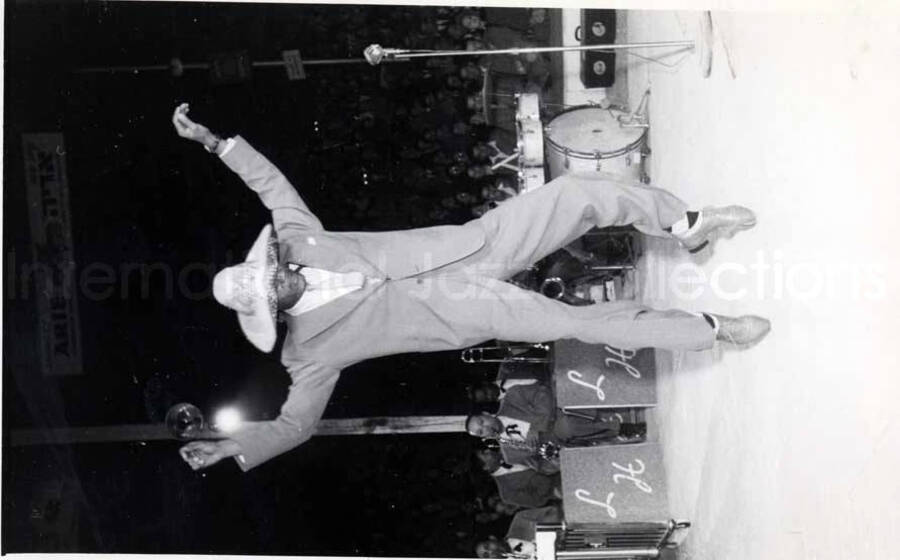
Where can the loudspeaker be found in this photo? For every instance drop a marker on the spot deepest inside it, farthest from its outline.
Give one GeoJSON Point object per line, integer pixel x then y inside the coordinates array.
{"type": "Point", "coordinates": [598, 69]}
{"type": "Point", "coordinates": [598, 27]}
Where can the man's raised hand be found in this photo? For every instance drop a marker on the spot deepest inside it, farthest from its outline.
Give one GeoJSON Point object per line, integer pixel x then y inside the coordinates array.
{"type": "Point", "coordinates": [186, 128]}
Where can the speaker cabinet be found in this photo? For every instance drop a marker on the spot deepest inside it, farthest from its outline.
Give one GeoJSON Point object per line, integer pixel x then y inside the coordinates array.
{"type": "Point", "coordinates": [598, 69]}
{"type": "Point", "coordinates": [598, 27]}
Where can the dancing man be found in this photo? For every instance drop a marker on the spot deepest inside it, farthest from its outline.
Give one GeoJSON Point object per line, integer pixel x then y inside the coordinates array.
{"type": "Point", "coordinates": [351, 296]}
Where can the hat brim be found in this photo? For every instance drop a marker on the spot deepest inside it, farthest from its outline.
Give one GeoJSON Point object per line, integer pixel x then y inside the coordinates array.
{"type": "Point", "coordinates": [259, 325]}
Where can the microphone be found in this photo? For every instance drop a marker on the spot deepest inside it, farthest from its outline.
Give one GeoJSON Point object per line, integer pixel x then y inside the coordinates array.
{"type": "Point", "coordinates": [376, 53]}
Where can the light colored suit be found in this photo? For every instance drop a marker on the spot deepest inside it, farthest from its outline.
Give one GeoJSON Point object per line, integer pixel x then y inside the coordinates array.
{"type": "Point", "coordinates": [442, 288]}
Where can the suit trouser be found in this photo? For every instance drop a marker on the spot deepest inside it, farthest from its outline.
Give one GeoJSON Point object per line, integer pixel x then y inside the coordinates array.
{"type": "Point", "coordinates": [527, 228]}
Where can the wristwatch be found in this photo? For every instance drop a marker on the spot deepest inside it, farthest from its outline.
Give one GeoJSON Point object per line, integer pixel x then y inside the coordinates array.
{"type": "Point", "coordinates": [215, 145]}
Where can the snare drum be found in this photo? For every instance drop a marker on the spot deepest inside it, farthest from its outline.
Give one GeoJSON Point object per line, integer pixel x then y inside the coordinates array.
{"type": "Point", "coordinates": [592, 139]}
{"type": "Point", "coordinates": [530, 135]}
{"type": "Point", "coordinates": [530, 142]}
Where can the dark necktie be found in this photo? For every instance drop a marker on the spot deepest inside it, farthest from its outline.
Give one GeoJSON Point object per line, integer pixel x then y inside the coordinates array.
{"type": "Point", "coordinates": [513, 429]}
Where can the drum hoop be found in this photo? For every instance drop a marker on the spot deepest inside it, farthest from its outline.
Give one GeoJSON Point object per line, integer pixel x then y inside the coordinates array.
{"type": "Point", "coordinates": [577, 154]}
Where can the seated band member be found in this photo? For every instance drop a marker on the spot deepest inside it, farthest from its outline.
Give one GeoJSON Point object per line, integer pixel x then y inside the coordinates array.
{"type": "Point", "coordinates": [351, 296]}
{"type": "Point", "coordinates": [492, 392]}
{"type": "Point", "coordinates": [528, 427]}
{"type": "Point", "coordinates": [518, 485]}
{"type": "Point", "coordinates": [519, 541]}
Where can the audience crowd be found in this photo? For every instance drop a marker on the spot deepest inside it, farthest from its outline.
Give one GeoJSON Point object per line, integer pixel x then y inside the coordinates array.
{"type": "Point", "coordinates": [411, 143]}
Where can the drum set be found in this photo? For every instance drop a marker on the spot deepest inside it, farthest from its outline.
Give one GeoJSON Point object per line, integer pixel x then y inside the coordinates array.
{"type": "Point", "coordinates": [579, 139]}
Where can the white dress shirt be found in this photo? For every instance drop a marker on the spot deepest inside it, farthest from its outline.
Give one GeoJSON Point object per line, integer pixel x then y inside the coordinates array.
{"type": "Point", "coordinates": [523, 548]}
{"type": "Point", "coordinates": [521, 428]}
{"type": "Point", "coordinates": [323, 286]}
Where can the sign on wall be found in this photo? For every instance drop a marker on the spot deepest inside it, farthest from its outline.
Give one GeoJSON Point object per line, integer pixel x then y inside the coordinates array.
{"type": "Point", "coordinates": [614, 484]}
{"type": "Point", "coordinates": [293, 65]}
{"type": "Point", "coordinates": [54, 263]}
{"type": "Point", "coordinates": [602, 376]}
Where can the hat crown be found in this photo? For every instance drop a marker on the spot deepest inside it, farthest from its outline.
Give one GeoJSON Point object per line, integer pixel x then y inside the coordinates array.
{"type": "Point", "coordinates": [237, 287]}
{"type": "Point", "coordinates": [249, 289]}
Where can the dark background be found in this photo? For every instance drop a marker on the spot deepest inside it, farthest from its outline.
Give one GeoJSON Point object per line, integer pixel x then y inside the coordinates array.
{"type": "Point", "coordinates": [139, 194]}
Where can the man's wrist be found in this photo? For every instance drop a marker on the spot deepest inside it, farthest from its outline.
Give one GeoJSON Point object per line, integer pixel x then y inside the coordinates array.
{"type": "Point", "coordinates": [212, 143]}
{"type": "Point", "coordinates": [230, 448]}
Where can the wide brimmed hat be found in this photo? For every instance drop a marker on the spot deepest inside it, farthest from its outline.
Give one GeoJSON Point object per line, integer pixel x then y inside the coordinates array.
{"type": "Point", "coordinates": [249, 289]}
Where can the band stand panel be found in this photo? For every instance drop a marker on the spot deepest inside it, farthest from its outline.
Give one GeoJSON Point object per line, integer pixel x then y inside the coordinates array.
{"type": "Point", "coordinates": [601, 376]}
{"type": "Point", "coordinates": [614, 484]}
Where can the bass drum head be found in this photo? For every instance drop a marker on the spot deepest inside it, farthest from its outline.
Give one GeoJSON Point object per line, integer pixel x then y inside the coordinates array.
{"type": "Point", "coordinates": [589, 130]}
{"type": "Point", "coordinates": [586, 139]}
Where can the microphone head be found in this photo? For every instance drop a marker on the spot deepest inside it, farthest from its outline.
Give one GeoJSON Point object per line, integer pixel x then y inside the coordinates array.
{"type": "Point", "coordinates": [374, 54]}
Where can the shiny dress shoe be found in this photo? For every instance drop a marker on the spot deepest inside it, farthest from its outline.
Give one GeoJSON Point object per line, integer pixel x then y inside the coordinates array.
{"type": "Point", "coordinates": [743, 330]}
{"type": "Point", "coordinates": [632, 433]}
{"type": "Point", "coordinates": [633, 430]}
{"type": "Point", "coordinates": [631, 438]}
{"type": "Point", "coordinates": [725, 220]}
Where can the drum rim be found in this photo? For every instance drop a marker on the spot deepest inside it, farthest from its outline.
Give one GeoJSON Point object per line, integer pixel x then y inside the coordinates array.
{"type": "Point", "coordinates": [559, 148]}
{"type": "Point", "coordinates": [525, 124]}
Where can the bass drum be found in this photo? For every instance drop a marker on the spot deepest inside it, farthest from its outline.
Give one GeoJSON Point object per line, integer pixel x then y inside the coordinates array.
{"type": "Point", "coordinates": [593, 139]}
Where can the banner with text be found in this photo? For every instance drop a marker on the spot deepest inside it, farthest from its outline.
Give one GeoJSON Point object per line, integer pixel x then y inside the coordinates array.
{"type": "Point", "coordinates": [59, 338]}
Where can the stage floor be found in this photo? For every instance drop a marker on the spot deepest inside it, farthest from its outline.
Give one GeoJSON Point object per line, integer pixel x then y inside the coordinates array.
{"type": "Point", "coordinates": [788, 449]}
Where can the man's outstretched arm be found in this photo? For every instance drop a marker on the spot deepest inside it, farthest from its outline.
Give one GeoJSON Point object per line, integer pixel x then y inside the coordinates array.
{"type": "Point", "coordinates": [257, 442]}
{"type": "Point", "coordinates": [309, 392]}
{"type": "Point", "coordinates": [273, 188]}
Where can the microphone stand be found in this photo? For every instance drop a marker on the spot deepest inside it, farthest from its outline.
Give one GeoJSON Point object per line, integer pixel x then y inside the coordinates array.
{"type": "Point", "coordinates": [375, 54]}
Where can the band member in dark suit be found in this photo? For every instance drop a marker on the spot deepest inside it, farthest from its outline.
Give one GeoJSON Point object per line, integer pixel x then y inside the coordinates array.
{"type": "Point", "coordinates": [530, 429]}
{"type": "Point", "coordinates": [518, 485]}
{"type": "Point", "coordinates": [519, 541]}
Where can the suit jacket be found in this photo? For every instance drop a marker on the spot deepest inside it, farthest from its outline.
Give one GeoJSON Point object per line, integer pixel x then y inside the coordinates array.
{"type": "Point", "coordinates": [356, 326]}
{"type": "Point", "coordinates": [533, 404]}
{"type": "Point", "coordinates": [523, 523]}
{"type": "Point", "coordinates": [527, 488]}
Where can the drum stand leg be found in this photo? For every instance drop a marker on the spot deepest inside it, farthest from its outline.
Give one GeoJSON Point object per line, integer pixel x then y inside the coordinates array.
{"type": "Point", "coordinates": [505, 161]}
{"type": "Point", "coordinates": [637, 118]}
